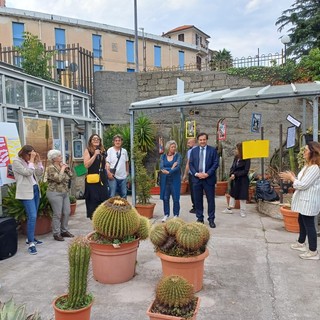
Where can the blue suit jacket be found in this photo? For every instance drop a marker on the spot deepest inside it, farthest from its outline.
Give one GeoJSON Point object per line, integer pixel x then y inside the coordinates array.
{"type": "Point", "coordinates": [212, 164]}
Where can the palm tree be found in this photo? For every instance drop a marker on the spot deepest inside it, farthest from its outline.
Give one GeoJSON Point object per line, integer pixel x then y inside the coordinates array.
{"type": "Point", "coordinates": [221, 60]}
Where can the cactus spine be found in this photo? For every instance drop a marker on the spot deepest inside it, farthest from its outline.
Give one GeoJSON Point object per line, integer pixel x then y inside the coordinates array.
{"type": "Point", "coordinates": [79, 258]}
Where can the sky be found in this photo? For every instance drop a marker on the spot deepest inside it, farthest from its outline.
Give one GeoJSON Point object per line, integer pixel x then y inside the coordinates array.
{"type": "Point", "coordinates": [241, 26]}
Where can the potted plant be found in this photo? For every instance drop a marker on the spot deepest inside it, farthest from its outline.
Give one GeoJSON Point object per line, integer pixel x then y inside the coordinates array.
{"type": "Point", "coordinates": [118, 228]}
{"type": "Point", "coordinates": [290, 218]}
{"type": "Point", "coordinates": [15, 209]}
{"type": "Point", "coordinates": [73, 204]}
{"type": "Point", "coordinates": [9, 310]}
{"type": "Point", "coordinates": [143, 144]}
{"type": "Point", "coordinates": [77, 303]}
{"type": "Point", "coordinates": [182, 249]}
{"type": "Point", "coordinates": [174, 300]}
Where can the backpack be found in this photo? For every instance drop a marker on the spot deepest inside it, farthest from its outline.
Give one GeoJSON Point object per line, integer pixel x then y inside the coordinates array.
{"type": "Point", "coordinates": [265, 192]}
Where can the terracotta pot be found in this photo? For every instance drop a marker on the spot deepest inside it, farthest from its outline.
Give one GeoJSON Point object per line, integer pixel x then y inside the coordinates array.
{"type": "Point", "coordinates": [146, 210]}
{"type": "Point", "coordinates": [251, 193]}
{"type": "Point", "coordinates": [155, 190]}
{"type": "Point", "coordinates": [79, 314]}
{"type": "Point", "coordinates": [43, 226]}
{"type": "Point", "coordinates": [73, 207]}
{"type": "Point", "coordinates": [290, 219]}
{"type": "Point", "coordinates": [113, 264]}
{"type": "Point", "coordinates": [221, 188]}
{"type": "Point", "coordinates": [159, 316]}
{"type": "Point", "coordinates": [191, 268]}
{"type": "Point", "coordinates": [184, 187]}
{"type": "Point", "coordinates": [237, 203]}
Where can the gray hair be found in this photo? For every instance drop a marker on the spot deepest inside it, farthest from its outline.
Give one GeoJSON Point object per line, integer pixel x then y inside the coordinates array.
{"type": "Point", "coordinates": [52, 154]}
{"type": "Point", "coordinates": [169, 143]}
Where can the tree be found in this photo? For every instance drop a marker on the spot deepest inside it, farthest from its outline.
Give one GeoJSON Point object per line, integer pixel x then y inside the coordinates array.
{"type": "Point", "coordinates": [221, 60]}
{"type": "Point", "coordinates": [303, 20]}
{"type": "Point", "coordinates": [35, 59]}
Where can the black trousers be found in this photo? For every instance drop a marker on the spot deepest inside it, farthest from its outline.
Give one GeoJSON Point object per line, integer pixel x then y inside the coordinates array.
{"type": "Point", "coordinates": [308, 228]}
{"type": "Point", "coordinates": [191, 189]}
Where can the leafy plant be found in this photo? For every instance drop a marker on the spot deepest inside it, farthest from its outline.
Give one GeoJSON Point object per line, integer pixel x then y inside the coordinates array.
{"type": "Point", "coordinates": [174, 297]}
{"type": "Point", "coordinates": [35, 59]}
{"type": "Point", "coordinates": [180, 239]}
{"type": "Point", "coordinates": [72, 199]}
{"type": "Point", "coordinates": [79, 258]}
{"type": "Point", "coordinates": [10, 311]}
{"type": "Point", "coordinates": [145, 133]}
{"type": "Point", "coordinates": [15, 208]}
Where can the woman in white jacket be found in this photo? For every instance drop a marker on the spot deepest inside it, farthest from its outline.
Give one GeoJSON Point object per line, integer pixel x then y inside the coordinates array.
{"type": "Point", "coordinates": [306, 200]}
{"type": "Point", "coordinates": [27, 167]}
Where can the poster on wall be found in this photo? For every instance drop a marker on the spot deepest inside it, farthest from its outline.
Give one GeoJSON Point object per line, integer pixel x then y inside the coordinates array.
{"type": "Point", "coordinates": [190, 129]}
{"type": "Point", "coordinates": [38, 133]}
{"type": "Point", "coordinates": [256, 122]}
{"type": "Point", "coordinates": [222, 130]}
{"type": "Point", "coordinates": [9, 148]}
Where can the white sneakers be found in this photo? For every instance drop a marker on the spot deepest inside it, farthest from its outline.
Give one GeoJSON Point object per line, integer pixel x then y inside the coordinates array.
{"type": "Point", "coordinates": [227, 210]}
{"type": "Point", "coordinates": [299, 246]}
{"type": "Point", "coordinates": [310, 255]}
{"type": "Point", "coordinates": [242, 214]}
{"type": "Point", "coordinates": [164, 219]}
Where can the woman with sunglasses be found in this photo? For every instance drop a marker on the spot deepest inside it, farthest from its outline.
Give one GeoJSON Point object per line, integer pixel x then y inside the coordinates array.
{"type": "Point", "coordinates": [27, 169]}
{"type": "Point", "coordinates": [95, 161]}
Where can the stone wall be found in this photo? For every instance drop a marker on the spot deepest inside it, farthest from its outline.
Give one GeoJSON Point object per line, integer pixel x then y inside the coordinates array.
{"type": "Point", "coordinates": [115, 91]}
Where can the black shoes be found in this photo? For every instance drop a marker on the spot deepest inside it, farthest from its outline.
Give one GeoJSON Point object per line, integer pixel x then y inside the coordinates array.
{"type": "Point", "coordinates": [212, 224]}
{"type": "Point", "coordinates": [67, 234]}
{"type": "Point", "coordinates": [57, 237]}
{"type": "Point", "coordinates": [200, 220]}
{"type": "Point", "coordinates": [193, 210]}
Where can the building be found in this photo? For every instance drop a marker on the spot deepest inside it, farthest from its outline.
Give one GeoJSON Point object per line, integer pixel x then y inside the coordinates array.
{"type": "Point", "coordinates": [113, 47]}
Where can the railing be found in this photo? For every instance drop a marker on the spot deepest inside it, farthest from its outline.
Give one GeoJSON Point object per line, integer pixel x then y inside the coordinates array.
{"type": "Point", "coordinates": [71, 66]}
{"type": "Point", "coordinates": [220, 65]}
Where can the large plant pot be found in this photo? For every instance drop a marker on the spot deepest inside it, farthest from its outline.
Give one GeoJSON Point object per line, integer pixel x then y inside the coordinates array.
{"type": "Point", "coordinates": [184, 187]}
{"type": "Point", "coordinates": [80, 314]}
{"type": "Point", "coordinates": [146, 210]}
{"type": "Point", "coordinates": [155, 190]}
{"type": "Point", "coordinates": [73, 207]}
{"type": "Point", "coordinates": [290, 219]}
{"type": "Point", "coordinates": [113, 264]}
{"type": "Point", "coordinates": [221, 188]}
{"type": "Point", "coordinates": [43, 226]}
{"type": "Point", "coordinates": [190, 268]}
{"type": "Point", "coordinates": [159, 316]}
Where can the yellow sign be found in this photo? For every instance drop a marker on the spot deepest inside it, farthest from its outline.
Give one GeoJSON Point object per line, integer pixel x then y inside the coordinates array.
{"type": "Point", "coordinates": [255, 149]}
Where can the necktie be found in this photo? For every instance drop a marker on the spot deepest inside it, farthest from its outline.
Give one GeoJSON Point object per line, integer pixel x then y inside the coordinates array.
{"type": "Point", "coordinates": [201, 159]}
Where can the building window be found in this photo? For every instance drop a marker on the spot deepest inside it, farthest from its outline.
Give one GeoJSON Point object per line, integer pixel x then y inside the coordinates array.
{"type": "Point", "coordinates": [197, 40]}
{"type": "Point", "coordinates": [60, 36]}
{"type": "Point", "coordinates": [96, 46]}
{"type": "Point", "coordinates": [97, 67]}
{"type": "Point", "coordinates": [17, 33]}
{"type": "Point", "coordinates": [181, 37]}
{"type": "Point", "coordinates": [157, 56]}
{"type": "Point", "coordinates": [130, 51]}
{"type": "Point", "coordinates": [181, 60]}
{"type": "Point", "coordinates": [130, 70]}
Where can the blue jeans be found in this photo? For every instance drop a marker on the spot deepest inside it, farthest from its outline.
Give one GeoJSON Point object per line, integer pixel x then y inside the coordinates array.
{"type": "Point", "coordinates": [118, 186]}
{"type": "Point", "coordinates": [169, 190]}
{"type": "Point", "coordinates": [31, 207]}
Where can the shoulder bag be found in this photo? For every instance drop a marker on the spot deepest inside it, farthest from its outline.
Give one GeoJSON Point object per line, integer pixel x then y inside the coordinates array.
{"type": "Point", "coordinates": [114, 169]}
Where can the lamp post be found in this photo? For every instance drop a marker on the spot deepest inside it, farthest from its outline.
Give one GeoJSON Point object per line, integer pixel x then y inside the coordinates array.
{"type": "Point", "coordinates": [136, 35]}
{"type": "Point", "coordinates": [144, 55]}
{"type": "Point", "coordinates": [285, 40]}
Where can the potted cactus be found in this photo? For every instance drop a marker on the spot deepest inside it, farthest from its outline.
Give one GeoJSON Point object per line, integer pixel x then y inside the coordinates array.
{"type": "Point", "coordinates": [77, 303]}
{"type": "Point", "coordinates": [181, 248]}
{"type": "Point", "coordinates": [118, 228]}
{"type": "Point", "coordinates": [174, 300]}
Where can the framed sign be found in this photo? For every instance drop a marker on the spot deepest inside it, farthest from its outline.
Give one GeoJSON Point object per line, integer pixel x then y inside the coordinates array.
{"type": "Point", "coordinates": [190, 129]}
{"type": "Point", "coordinates": [291, 137]}
{"type": "Point", "coordinates": [222, 130]}
{"type": "Point", "coordinates": [256, 122]}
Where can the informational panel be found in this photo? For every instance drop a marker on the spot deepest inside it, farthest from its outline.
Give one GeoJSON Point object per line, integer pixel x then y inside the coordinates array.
{"type": "Point", "coordinates": [9, 148]}
{"type": "Point", "coordinates": [255, 149]}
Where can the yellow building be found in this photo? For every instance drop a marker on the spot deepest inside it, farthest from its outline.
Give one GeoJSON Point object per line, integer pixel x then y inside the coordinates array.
{"type": "Point", "coordinates": [113, 47]}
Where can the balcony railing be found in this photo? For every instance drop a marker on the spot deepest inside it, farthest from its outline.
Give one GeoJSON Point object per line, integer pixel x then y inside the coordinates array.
{"type": "Point", "coordinates": [71, 66]}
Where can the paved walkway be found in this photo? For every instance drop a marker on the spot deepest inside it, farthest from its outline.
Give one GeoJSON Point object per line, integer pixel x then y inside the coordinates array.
{"type": "Point", "coordinates": [250, 273]}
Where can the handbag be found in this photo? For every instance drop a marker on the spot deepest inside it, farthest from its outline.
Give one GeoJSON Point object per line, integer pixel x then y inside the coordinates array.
{"type": "Point", "coordinates": [114, 169]}
{"type": "Point", "coordinates": [93, 178]}
{"type": "Point", "coordinates": [265, 192]}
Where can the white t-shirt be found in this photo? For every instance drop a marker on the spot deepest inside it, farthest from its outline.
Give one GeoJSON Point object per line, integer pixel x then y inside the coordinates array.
{"type": "Point", "coordinates": [112, 158]}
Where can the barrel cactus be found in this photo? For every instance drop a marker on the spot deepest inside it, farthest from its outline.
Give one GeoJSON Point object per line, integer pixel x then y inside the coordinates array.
{"type": "Point", "coordinates": [116, 219]}
{"type": "Point", "coordinates": [174, 296]}
{"type": "Point", "coordinates": [177, 238]}
{"type": "Point", "coordinates": [144, 228]}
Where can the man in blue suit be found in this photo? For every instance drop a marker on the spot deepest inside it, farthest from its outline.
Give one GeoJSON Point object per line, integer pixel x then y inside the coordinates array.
{"type": "Point", "coordinates": [203, 163]}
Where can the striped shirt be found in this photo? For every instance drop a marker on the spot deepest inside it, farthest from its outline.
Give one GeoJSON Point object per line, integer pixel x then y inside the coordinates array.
{"type": "Point", "coordinates": [306, 198]}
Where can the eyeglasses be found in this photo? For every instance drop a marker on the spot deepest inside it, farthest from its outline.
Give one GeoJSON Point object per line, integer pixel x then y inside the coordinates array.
{"type": "Point", "coordinates": [96, 139]}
